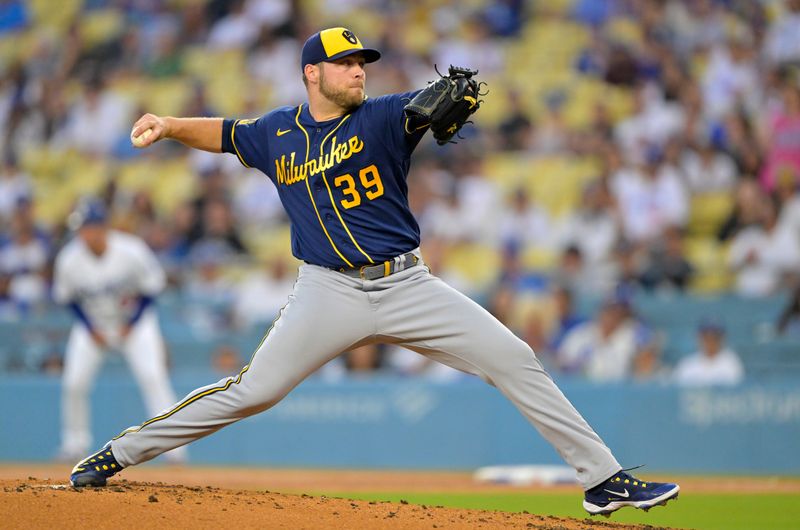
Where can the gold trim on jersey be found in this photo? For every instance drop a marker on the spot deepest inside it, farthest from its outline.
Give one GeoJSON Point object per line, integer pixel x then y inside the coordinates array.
{"type": "Point", "coordinates": [330, 193]}
{"type": "Point", "coordinates": [194, 397]}
{"type": "Point", "coordinates": [310, 195]}
{"type": "Point", "coordinates": [233, 142]}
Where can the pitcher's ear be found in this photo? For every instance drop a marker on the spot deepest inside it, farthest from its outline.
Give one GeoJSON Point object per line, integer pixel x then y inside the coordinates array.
{"type": "Point", "coordinates": [311, 72]}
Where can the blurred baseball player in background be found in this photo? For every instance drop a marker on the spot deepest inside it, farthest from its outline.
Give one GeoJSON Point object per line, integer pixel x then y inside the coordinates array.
{"type": "Point", "coordinates": [340, 164]}
{"type": "Point", "coordinates": [109, 280]}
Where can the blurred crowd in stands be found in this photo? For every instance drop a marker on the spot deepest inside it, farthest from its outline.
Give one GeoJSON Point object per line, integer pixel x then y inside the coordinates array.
{"type": "Point", "coordinates": [625, 146]}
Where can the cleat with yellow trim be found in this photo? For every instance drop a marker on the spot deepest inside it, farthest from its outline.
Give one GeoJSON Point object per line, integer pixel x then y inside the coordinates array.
{"type": "Point", "coordinates": [622, 490]}
{"type": "Point", "coordinates": [94, 470]}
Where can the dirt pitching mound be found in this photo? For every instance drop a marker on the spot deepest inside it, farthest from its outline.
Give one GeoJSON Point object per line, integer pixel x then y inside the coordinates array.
{"type": "Point", "coordinates": [36, 503]}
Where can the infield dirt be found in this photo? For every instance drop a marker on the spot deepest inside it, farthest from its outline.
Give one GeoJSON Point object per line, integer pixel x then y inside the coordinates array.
{"type": "Point", "coordinates": [191, 497]}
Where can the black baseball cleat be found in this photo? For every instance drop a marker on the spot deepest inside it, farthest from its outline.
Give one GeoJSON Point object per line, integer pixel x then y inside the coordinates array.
{"type": "Point", "coordinates": [95, 470]}
{"type": "Point", "coordinates": [623, 489]}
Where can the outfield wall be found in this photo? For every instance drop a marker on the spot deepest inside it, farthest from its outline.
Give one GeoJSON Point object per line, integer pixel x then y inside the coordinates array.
{"type": "Point", "coordinates": [411, 424]}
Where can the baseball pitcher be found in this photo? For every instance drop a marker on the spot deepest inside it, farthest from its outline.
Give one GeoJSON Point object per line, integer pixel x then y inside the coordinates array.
{"type": "Point", "coordinates": [108, 279]}
{"type": "Point", "coordinates": [340, 162]}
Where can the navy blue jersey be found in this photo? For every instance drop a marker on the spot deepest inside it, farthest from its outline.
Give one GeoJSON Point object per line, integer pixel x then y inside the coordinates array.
{"type": "Point", "coordinates": [341, 181]}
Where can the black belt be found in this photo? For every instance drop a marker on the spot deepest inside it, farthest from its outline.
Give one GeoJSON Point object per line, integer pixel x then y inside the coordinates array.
{"type": "Point", "coordinates": [381, 270]}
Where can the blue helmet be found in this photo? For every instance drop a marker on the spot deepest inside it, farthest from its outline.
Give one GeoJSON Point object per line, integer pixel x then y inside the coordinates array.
{"type": "Point", "coordinates": [90, 211]}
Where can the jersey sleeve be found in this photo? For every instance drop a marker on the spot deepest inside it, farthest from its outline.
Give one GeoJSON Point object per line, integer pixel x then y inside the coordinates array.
{"type": "Point", "coordinates": [247, 139]}
{"type": "Point", "coordinates": [403, 135]}
{"type": "Point", "coordinates": [63, 290]}
{"type": "Point", "coordinates": [150, 276]}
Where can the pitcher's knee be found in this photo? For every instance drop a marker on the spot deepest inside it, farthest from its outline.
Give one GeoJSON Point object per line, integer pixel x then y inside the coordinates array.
{"type": "Point", "coordinates": [514, 356]}
{"type": "Point", "coordinates": [255, 400]}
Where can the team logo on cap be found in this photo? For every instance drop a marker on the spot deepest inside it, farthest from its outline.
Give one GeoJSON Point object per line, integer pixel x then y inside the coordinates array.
{"type": "Point", "coordinates": [351, 38]}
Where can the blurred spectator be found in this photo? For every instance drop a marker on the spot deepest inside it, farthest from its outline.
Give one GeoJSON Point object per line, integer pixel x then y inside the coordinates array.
{"type": "Point", "coordinates": [764, 256]}
{"type": "Point", "coordinates": [269, 13]}
{"type": "Point", "coordinates": [516, 131]}
{"type": "Point", "coordinates": [26, 258]}
{"type": "Point", "coordinates": [714, 363]}
{"type": "Point", "coordinates": [629, 262]}
{"type": "Point", "coordinates": [270, 58]}
{"type": "Point", "coordinates": [576, 274]}
{"type": "Point", "coordinates": [446, 218]}
{"type": "Point", "coordinates": [193, 23]}
{"type": "Point", "coordinates": [566, 317]}
{"type": "Point", "coordinates": [261, 294]}
{"type": "Point", "coordinates": [363, 360]}
{"type": "Point", "coordinates": [731, 78]}
{"type": "Point", "coordinates": [737, 138]}
{"type": "Point", "coordinates": [256, 201]}
{"type": "Point", "coordinates": [218, 232]}
{"type": "Point", "coordinates": [139, 216]}
{"type": "Point", "coordinates": [44, 121]}
{"type": "Point", "coordinates": [602, 122]}
{"type": "Point", "coordinates": [52, 364]}
{"type": "Point", "coordinates": [236, 30]}
{"type": "Point", "coordinates": [169, 239]}
{"type": "Point", "coordinates": [593, 58]}
{"type": "Point", "coordinates": [533, 331]}
{"type": "Point", "coordinates": [652, 122]}
{"type": "Point", "coordinates": [620, 66]}
{"type": "Point", "coordinates": [226, 360]}
{"type": "Point", "coordinates": [781, 44]}
{"type": "Point", "coordinates": [208, 294]}
{"type": "Point", "coordinates": [15, 185]}
{"type": "Point", "coordinates": [787, 195]}
{"type": "Point", "coordinates": [166, 60]}
{"type": "Point", "coordinates": [473, 46]}
{"type": "Point", "coordinates": [434, 252]}
{"type": "Point", "coordinates": [96, 122]}
{"type": "Point", "coordinates": [408, 363]}
{"type": "Point", "coordinates": [357, 363]}
{"type": "Point", "coordinates": [707, 170]}
{"type": "Point", "coordinates": [668, 266]}
{"type": "Point", "coordinates": [525, 223]}
{"type": "Point", "coordinates": [697, 25]}
{"type": "Point", "coordinates": [593, 227]}
{"type": "Point", "coordinates": [552, 134]}
{"type": "Point", "coordinates": [501, 303]}
{"type": "Point", "coordinates": [479, 197]}
{"type": "Point", "coordinates": [746, 212]}
{"type": "Point", "coordinates": [647, 364]}
{"type": "Point", "coordinates": [651, 200]}
{"type": "Point", "coordinates": [198, 104]}
{"type": "Point", "coordinates": [504, 17]}
{"type": "Point", "coordinates": [782, 139]}
{"type": "Point", "coordinates": [603, 349]}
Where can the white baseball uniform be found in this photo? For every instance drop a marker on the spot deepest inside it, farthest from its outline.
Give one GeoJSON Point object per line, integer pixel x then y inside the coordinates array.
{"type": "Point", "coordinates": [107, 289]}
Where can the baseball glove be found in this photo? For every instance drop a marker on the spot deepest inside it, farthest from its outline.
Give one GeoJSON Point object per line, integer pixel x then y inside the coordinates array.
{"type": "Point", "coordinates": [447, 103]}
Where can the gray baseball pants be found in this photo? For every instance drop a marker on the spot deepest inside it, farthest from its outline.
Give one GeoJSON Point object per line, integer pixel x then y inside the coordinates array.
{"type": "Point", "coordinates": [328, 313]}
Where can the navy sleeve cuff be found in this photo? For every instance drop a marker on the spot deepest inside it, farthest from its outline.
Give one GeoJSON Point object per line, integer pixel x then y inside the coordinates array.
{"type": "Point", "coordinates": [227, 141]}
{"type": "Point", "coordinates": [78, 311]}
{"type": "Point", "coordinates": [143, 303]}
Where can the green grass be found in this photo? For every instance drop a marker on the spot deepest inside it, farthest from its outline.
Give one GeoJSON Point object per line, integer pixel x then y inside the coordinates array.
{"type": "Point", "coordinates": [706, 511]}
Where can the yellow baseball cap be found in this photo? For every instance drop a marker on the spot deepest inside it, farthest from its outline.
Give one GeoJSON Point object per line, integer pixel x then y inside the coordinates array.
{"type": "Point", "coordinates": [334, 43]}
